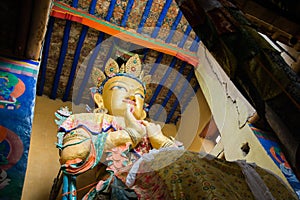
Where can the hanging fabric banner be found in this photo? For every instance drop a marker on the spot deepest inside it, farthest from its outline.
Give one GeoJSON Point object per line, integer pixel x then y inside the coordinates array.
{"type": "Point", "coordinates": [17, 95]}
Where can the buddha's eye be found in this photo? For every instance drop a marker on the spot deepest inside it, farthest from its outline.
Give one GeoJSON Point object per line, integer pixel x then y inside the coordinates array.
{"type": "Point", "coordinates": [118, 87]}
{"type": "Point", "coordinates": [139, 95]}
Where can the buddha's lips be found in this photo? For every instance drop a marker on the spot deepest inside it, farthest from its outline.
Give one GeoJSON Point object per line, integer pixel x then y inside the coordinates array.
{"type": "Point", "coordinates": [129, 101]}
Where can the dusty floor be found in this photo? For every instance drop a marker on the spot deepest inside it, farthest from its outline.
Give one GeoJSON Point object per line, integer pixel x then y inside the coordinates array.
{"type": "Point", "coordinates": [43, 164]}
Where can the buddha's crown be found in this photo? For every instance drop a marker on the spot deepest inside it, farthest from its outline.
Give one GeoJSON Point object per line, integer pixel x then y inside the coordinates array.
{"type": "Point", "coordinates": [132, 69]}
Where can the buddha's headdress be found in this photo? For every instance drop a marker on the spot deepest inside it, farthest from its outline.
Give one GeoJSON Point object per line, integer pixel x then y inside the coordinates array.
{"type": "Point", "coordinates": [132, 69]}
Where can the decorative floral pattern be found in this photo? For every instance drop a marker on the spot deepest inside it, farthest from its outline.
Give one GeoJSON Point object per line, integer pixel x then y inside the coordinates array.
{"type": "Point", "coordinates": [119, 157]}
{"type": "Point", "coordinates": [187, 176]}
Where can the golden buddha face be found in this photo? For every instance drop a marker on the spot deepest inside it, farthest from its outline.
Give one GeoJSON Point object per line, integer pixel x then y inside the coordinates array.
{"type": "Point", "coordinates": [121, 92]}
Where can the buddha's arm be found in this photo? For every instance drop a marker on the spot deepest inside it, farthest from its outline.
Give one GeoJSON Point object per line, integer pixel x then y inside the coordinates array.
{"type": "Point", "coordinates": [157, 138]}
{"type": "Point", "coordinates": [128, 135]}
{"type": "Point", "coordinates": [160, 141]}
{"type": "Point", "coordinates": [121, 137]}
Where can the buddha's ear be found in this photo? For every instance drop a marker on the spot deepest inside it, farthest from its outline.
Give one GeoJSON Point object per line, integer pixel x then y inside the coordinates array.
{"type": "Point", "coordinates": [98, 100]}
{"type": "Point", "coordinates": [144, 115]}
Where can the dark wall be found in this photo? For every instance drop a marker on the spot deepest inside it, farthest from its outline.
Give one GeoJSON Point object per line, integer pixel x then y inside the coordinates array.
{"type": "Point", "coordinates": [14, 26]}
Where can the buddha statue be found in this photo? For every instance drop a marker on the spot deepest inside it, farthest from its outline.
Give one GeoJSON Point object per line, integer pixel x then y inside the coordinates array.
{"type": "Point", "coordinates": [117, 124]}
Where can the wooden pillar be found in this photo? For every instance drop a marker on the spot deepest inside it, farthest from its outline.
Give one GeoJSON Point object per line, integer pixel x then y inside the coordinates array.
{"type": "Point", "coordinates": [38, 26]}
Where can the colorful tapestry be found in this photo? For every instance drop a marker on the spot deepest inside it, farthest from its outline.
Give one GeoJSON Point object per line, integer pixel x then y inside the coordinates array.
{"type": "Point", "coordinates": [17, 95]}
{"type": "Point", "coordinates": [272, 146]}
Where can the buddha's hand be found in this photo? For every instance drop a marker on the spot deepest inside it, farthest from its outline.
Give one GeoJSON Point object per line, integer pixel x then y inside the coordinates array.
{"type": "Point", "coordinates": [134, 127]}
{"type": "Point", "coordinates": [156, 136]}
{"type": "Point", "coordinates": [153, 130]}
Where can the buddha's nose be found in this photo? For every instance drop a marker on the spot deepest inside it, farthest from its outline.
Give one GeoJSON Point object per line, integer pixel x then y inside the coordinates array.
{"type": "Point", "coordinates": [131, 97]}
